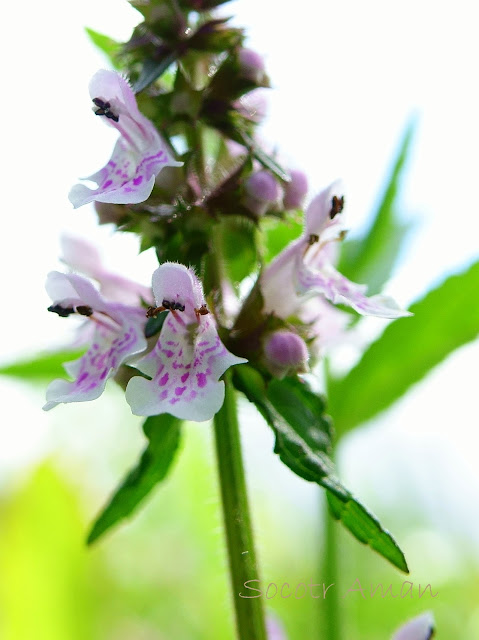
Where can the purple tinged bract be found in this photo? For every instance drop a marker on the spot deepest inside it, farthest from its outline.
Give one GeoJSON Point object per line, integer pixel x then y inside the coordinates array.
{"type": "Point", "coordinates": [189, 357]}
{"type": "Point", "coordinates": [139, 154]}
{"type": "Point", "coordinates": [419, 628]}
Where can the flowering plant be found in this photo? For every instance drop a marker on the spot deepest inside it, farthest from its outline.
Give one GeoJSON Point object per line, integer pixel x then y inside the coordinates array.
{"type": "Point", "coordinates": [255, 284]}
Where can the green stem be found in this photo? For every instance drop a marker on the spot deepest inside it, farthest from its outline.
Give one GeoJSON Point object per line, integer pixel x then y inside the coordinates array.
{"type": "Point", "coordinates": [330, 627]}
{"type": "Point", "coordinates": [239, 535]}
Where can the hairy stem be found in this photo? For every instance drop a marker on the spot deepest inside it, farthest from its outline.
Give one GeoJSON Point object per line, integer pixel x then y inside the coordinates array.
{"type": "Point", "coordinates": [239, 536]}
{"type": "Point", "coordinates": [330, 628]}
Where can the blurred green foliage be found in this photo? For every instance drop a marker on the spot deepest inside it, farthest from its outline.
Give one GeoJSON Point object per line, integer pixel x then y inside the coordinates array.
{"type": "Point", "coordinates": [163, 576]}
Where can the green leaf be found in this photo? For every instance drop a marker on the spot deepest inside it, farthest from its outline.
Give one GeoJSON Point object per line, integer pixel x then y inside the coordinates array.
{"type": "Point", "coordinates": [163, 433]}
{"type": "Point", "coordinates": [303, 435]}
{"type": "Point", "coordinates": [152, 70]}
{"type": "Point", "coordinates": [110, 47]}
{"type": "Point", "coordinates": [371, 258]}
{"type": "Point", "coordinates": [444, 320]}
{"type": "Point", "coordinates": [238, 239]}
{"type": "Point", "coordinates": [277, 235]}
{"type": "Point", "coordinates": [42, 367]}
{"type": "Point", "coordinates": [154, 325]}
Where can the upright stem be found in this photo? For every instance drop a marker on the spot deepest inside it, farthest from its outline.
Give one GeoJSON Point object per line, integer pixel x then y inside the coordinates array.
{"type": "Point", "coordinates": [239, 536]}
{"type": "Point", "coordinates": [330, 628]}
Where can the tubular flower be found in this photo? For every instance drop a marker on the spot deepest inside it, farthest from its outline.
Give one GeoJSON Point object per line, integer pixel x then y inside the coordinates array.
{"type": "Point", "coordinates": [189, 357]}
{"type": "Point", "coordinates": [80, 255]}
{"type": "Point", "coordinates": [139, 154]}
{"type": "Point", "coordinates": [304, 268]}
{"type": "Point", "coordinates": [420, 628]}
{"type": "Point", "coordinates": [117, 337]}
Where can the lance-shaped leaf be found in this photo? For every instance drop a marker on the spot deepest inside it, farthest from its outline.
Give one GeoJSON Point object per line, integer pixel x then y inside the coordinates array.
{"type": "Point", "coordinates": [107, 45]}
{"type": "Point", "coordinates": [44, 366]}
{"type": "Point", "coordinates": [371, 258]}
{"type": "Point", "coordinates": [444, 320]}
{"type": "Point", "coordinates": [163, 433]}
{"type": "Point", "coordinates": [303, 437]}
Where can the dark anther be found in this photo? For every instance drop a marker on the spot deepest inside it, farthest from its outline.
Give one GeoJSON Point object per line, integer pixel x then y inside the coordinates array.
{"type": "Point", "coordinates": [104, 109]}
{"type": "Point", "coordinates": [152, 312]}
{"type": "Point", "coordinates": [83, 310]}
{"type": "Point", "coordinates": [173, 306]}
{"type": "Point", "coordinates": [202, 311]}
{"type": "Point", "coordinates": [63, 312]}
{"type": "Point", "coordinates": [178, 306]}
{"type": "Point", "coordinates": [337, 205]}
{"type": "Point", "coordinates": [313, 238]}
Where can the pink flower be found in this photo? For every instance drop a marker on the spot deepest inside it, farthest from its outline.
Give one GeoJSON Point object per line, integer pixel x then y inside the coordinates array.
{"type": "Point", "coordinates": [80, 255]}
{"type": "Point", "coordinates": [118, 336]}
{"type": "Point", "coordinates": [189, 357]}
{"type": "Point", "coordinates": [420, 628]}
{"type": "Point", "coordinates": [304, 269]}
{"type": "Point", "coordinates": [139, 154]}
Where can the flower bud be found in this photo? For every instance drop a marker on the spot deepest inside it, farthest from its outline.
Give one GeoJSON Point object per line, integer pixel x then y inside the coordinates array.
{"type": "Point", "coordinates": [262, 191]}
{"type": "Point", "coordinates": [295, 190]}
{"type": "Point", "coordinates": [251, 65]}
{"type": "Point", "coordinates": [285, 352]}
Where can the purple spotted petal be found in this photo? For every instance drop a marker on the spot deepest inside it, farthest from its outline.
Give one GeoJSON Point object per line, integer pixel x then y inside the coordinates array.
{"type": "Point", "coordinates": [139, 154]}
{"type": "Point", "coordinates": [339, 290]}
{"type": "Point", "coordinates": [117, 337]}
{"type": "Point", "coordinates": [185, 367]}
{"type": "Point", "coordinates": [189, 357]}
{"type": "Point", "coordinates": [420, 628]}
{"type": "Point", "coordinates": [110, 348]}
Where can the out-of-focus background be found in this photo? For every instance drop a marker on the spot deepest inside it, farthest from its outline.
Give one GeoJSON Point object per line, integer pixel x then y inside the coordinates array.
{"type": "Point", "coordinates": [347, 77]}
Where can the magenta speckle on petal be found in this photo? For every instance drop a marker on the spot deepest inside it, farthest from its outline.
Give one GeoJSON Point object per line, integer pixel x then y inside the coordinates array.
{"type": "Point", "coordinates": [185, 377]}
{"type": "Point", "coordinates": [201, 377]}
{"type": "Point", "coordinates": [83, 377]}
{"type": "Point", "coordinates": [180, 390]}
{"type": "Point", "coordinates": [107, 184]}
{"type": "Point", "coordinates": [164, 394]}
{"type": "Point", "coordinates": [168, 353]}
{"type": "Point", "coordinates": [163, 380]}
{"type": "Point", "coordinates": [138, 181]}
{"type": "Point", "coordinates": [103, 374]}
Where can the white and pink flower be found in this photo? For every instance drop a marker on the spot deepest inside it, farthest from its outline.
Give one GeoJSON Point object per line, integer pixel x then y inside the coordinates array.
{"type": "Point", "coordinates": [189, 357]}
{"type": "Point", "coordinates": [304, 269]}
{"type": "Point", "coordinates": [81, 255]}
{"type": "Point", "coordinates": [139, 154]}
{"type": "Point", "coordinates": [419, 628]}
{"type": "Point", "coordinates": [118, 336]}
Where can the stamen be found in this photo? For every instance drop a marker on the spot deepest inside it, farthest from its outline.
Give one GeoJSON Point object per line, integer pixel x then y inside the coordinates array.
{"type": "Point", "coordinates": [337, 205]}
{"type": "Point", "coordinates": [313, 238]}
{"type": "Point", "coordinates": [202, 311]}
{"type": "Point", "coordinates": [104, 109]}
{"type": "Point", "coordinates": [84, 310]}
{"type": "Point", "coordinates": [63, 312]}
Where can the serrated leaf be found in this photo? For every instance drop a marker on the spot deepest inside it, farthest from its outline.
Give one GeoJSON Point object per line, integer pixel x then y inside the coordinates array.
{"type": "Point", "coordinates": [163, 433]}
{"type": "Point", "coordinates": [303, 432]}
{"type": "Point", "coordinates": [44, 366]}
{"type": "Point", "coordinates": [444, 320]}
{"type": "Point", "coordinates": [106, 44]}
{"type": "Point", "coordinates": [364, 526]}
{"type": "Point", "coordinates": [371, 258]}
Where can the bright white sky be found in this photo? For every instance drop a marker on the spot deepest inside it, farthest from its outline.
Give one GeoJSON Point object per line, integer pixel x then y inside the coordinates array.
{"type": "Point", "coordinates": [347, 77]}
